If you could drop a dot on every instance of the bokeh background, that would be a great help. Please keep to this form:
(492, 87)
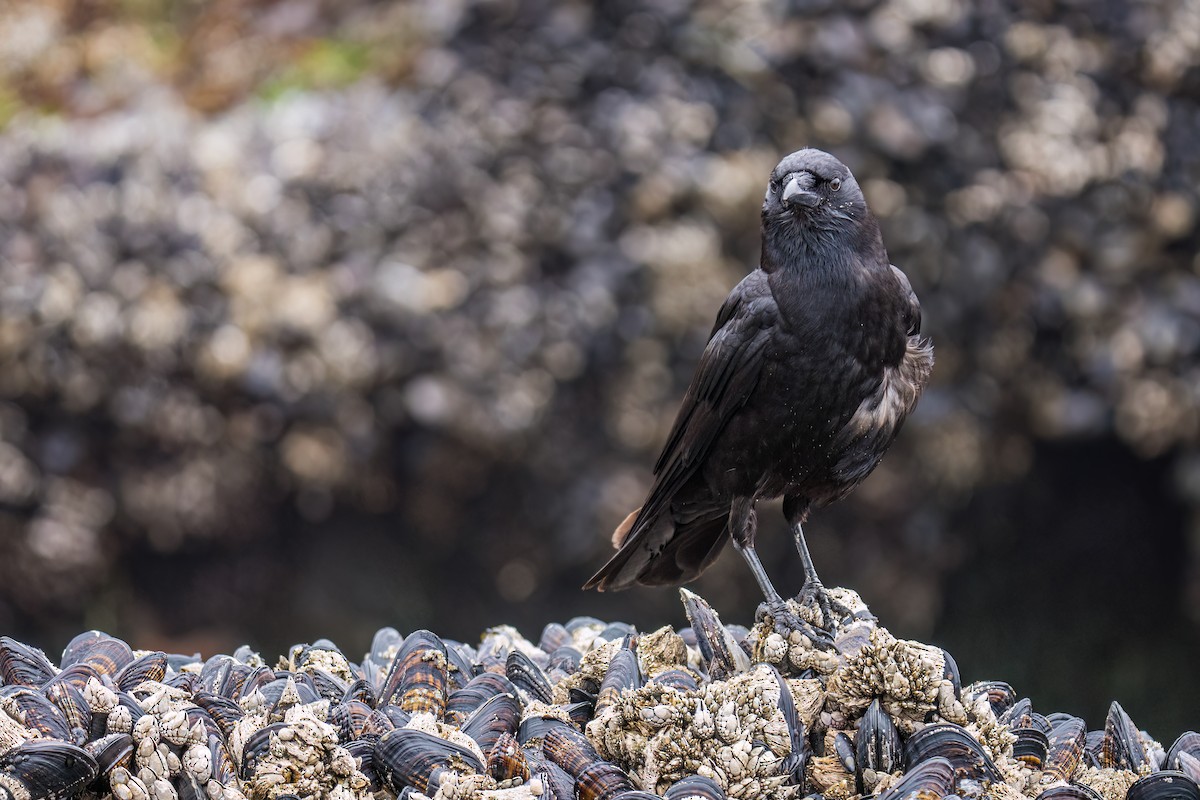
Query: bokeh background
(321, 315)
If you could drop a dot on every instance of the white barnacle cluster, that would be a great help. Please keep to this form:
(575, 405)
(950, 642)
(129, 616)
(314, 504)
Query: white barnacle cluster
(907, 677)
(304, 758)
(165, 746)
(732, 731)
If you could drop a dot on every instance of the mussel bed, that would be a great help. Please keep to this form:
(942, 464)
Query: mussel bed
(592, 710)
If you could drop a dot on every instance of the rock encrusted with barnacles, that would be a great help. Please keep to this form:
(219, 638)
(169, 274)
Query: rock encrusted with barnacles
(593, 710)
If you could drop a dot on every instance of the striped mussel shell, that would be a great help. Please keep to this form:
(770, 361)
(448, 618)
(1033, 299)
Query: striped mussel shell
(47, 769)
(595, 778)
(932, 779)
(224, 712)
(36, 711)
(1121, 747)
(554, 636)
(111, 751)
(1189, 743)
(570, 749)
(417, 680)
(580, 711)
(460, 665)
(106, 654)
(1031, 747)
(1189, 765)
(506, 760)
(795, 762)
(695, 787)
(999, 695)
(602, 781)
(563, 661)
(1165, 784)
(680, 679)
(328, 685)
(624, 673)
(463, 702)
(77, 675)
(363, 753)
(350, 718)
(1065, 749)
(499, 716)
(69, 700)
(528, 677)
(22, 665)
(256, 747)
(553, 780)
(534, 728)
(148, 667)
(360, 690)
(1070, 791)
(953, 743)
(723, 656)
(378, 723)
(878, 747)
(406, 757)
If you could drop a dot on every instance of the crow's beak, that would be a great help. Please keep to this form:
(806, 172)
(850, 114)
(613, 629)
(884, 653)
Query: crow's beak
(798, 192)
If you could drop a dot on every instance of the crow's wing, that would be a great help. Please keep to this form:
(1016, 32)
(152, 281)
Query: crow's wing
(913, 317)
(727, 374)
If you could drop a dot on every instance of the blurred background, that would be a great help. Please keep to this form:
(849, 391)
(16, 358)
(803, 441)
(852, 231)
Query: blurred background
(323, 315)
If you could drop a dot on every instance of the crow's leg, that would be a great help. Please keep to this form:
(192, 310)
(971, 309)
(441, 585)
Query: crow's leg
(796, 510)
(743, 524)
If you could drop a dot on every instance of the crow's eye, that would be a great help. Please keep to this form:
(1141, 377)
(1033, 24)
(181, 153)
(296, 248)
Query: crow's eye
(835, 184)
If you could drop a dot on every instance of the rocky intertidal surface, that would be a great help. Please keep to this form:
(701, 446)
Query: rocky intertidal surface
(593, 710)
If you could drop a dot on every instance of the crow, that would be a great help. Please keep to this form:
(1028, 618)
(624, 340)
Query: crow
(814, 362)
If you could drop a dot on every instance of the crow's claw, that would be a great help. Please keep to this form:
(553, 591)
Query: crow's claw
(785, 620)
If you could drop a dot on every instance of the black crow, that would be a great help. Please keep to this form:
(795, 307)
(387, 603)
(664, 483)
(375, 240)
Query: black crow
(813, 364)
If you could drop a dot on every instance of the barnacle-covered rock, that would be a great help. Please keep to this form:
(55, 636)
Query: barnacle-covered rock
(908, 678)
(1109, 783)
(304, 758)
(733, 731)
(628, 719)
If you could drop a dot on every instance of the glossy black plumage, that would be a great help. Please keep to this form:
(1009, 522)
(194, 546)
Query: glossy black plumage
(813, 363)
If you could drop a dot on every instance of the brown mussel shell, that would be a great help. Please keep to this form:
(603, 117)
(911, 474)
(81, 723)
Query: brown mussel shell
(498, 717)
(953, 743)
(150, 667)
(1070, 791)
(602, 781)
(406, 757)
(506, 760)
(999, 694)
(22, 665)
(931, 779)
(570, 749)
(1188, 742)
(723, 656)
(528, 677)
(695, 787)
(1166, 784)
(49, 769)
(623, 673)
(418, 678)
(1066, 748)
(1121, 747)
(877, 745)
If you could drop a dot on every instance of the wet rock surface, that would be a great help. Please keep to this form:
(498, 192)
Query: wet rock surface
(593, 710)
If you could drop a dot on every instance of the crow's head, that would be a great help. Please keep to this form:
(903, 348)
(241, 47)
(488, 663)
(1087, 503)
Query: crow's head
(814, 189)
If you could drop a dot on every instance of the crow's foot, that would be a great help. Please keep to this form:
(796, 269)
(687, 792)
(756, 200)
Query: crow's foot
(785, 621)
(832, 613)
